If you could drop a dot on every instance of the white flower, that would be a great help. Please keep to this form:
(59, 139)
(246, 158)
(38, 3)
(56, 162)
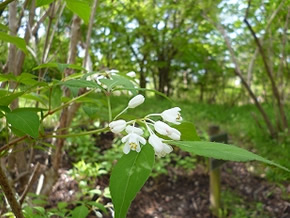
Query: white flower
(136, 101)
(172, 115)
(161, 149)
(132, 142)
(133, 129)
(131, 74)
(164, 129)
(117, 126)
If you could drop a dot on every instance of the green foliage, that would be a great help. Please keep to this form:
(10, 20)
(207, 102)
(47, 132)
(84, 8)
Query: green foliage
(234, 205)
(80, 212)
(40, 3)
(80, 7)
(24, 121)
(222, 151)
(128, 177)
(18, 42)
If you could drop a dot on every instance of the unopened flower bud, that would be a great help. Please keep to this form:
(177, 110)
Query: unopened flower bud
(136, 101)
(117, 126)
(160, 148)
(164, 129)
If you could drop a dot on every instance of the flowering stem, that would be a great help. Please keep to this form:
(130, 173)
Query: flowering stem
(120, 113)
(149, 129)
(151, 115)
(78, 134)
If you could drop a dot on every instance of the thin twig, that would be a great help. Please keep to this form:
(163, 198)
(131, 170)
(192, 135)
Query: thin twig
(5, 147)
(31, 181)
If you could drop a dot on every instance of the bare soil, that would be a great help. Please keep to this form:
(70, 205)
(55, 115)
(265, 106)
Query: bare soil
(186, 194)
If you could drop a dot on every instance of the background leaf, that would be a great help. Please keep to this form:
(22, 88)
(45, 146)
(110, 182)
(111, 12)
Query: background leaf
(222, 151)
(128, 177)
(6, 100)
(24, 121)
(18, 42)
(43, 2)
(80, 212)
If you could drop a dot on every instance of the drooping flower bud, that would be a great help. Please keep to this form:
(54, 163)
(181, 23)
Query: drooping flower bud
(164, 129)
(172, 115)
(136, 101)
(117, 126)
(160, 148)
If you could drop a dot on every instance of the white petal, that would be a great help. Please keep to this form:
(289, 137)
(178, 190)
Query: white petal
(125, 138)
(132, 129)
(167, 148)
(138, 149)
(156, 142)
(142, 140)
(126, 148)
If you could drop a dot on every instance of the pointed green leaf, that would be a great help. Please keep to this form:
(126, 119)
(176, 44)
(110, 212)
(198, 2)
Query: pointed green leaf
(80, 83)
(59, 66)
(128, 177)
(24, 121)
(81, 8)
(18, 42)
(222, 151)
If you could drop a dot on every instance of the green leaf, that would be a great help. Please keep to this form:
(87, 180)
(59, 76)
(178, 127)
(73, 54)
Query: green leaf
(119, 81)
(80, 84)
(188, 131)
(61, 67)
(43, 2)
(81, 8)
(222, 151)
(80, 212)
(6, 100)
(128, 177)
(18, 42)
(7, 77)
(25, 121)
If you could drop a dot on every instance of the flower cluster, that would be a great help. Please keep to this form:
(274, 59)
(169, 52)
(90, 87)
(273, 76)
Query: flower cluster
(134, 136)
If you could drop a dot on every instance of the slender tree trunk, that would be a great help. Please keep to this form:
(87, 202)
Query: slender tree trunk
(268, 71)
(238, 72)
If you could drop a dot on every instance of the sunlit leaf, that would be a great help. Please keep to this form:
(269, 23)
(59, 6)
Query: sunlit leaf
(43, 2)
(80, 7)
